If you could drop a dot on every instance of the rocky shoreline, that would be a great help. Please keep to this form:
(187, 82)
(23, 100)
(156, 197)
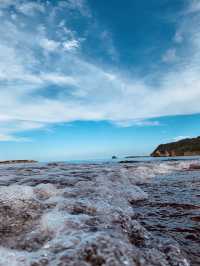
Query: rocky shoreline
(185, 147)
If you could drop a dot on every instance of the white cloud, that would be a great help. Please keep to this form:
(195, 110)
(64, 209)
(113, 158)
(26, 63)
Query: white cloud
(88, 91)
(138, 123)
(78, 5)
(58, 79)
(49, 45)
(30, 8)
(71, 45)
(54, 46)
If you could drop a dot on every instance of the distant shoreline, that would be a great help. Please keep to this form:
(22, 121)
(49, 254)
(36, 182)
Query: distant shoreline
(136, 156)
(17, 161)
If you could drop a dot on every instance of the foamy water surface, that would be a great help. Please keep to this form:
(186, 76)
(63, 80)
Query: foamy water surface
(94, 214)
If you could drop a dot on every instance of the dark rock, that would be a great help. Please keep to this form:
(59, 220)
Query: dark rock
(194, 167)
(17, 161)
(128, 161)
(185, 147)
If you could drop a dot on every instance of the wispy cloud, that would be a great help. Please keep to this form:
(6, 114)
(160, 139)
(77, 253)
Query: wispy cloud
(180, 138)
(40, 49)
(71, 45)
(11, 138)
(30, 8)
(138, 123)
(9, 128)
(77, 5)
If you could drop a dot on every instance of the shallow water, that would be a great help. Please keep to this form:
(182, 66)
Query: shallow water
(173, 210)
(92, 214)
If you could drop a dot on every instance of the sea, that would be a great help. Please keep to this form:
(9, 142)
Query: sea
(137, 211)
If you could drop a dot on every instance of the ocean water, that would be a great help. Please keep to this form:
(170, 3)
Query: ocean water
(173, 210)
(146, 212)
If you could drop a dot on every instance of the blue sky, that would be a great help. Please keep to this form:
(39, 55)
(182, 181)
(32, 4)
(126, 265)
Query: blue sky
(86, 79)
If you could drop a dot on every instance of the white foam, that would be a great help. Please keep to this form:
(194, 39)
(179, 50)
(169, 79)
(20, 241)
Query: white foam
(144, 172)
(53, 221)
(13, 258)
(16, 194)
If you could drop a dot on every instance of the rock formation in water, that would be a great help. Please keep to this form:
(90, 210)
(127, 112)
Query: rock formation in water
(17, 161)
(185, 147)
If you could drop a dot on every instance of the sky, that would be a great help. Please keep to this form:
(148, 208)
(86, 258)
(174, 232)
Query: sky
(85, 79)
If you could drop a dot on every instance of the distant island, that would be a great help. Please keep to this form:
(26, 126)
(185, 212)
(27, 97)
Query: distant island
(17, 161)
(185, 147)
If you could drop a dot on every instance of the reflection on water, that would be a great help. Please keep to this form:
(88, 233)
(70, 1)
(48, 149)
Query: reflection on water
(173, 210)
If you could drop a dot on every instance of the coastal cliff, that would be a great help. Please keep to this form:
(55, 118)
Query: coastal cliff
(185, 147)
